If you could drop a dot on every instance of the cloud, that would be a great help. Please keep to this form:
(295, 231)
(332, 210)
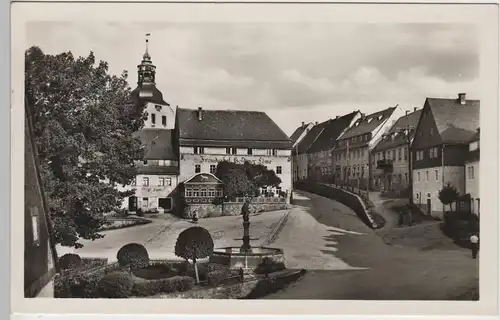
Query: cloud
(294, 71)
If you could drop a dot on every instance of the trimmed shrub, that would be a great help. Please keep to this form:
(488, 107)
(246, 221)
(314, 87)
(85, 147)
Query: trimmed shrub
(194, 243)
(144, 288)
(116, 285)
(133, 255)
(70, 261)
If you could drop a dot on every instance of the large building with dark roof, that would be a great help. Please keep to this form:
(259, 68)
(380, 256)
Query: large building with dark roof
(351, 154)
(207, 137)
(391, 155)
(320, 166)
(300, 150)
(440, 149)
(472, 173)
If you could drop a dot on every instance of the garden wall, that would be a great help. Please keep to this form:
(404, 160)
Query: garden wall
(348, 199)
(234, 208)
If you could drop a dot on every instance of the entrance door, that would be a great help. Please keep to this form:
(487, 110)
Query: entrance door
(165, 203)
(429, 206)
(132, 203)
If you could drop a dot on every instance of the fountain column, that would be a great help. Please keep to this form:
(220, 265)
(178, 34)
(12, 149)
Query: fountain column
(245, 210)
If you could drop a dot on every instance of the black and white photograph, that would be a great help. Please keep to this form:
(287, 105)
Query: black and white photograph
(243, 160)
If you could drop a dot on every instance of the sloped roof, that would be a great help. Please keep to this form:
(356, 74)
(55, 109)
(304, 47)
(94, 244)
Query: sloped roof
(310, 137)
(296, 134)
(410, 120)
(147, 93)
(158, 144)
(477, 136)
(203, 178)
(235, 128)
(368, 123)
(455, 122)
(333, 129)
(164, 170)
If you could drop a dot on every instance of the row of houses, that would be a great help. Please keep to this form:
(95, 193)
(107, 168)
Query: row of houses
(184, 146)
(417, 151)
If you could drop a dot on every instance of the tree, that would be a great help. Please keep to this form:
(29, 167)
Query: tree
(448, 195)
(83, 121)
(194, 243)
(244, 179)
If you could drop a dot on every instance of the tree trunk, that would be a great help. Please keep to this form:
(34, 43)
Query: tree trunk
(196, 271)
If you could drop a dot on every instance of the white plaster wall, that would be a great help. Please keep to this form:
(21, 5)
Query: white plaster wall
(164, 110)
(472, 184)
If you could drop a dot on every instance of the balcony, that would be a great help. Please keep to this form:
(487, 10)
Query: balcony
(385, 164)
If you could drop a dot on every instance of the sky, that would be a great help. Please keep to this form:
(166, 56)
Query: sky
(293, 71)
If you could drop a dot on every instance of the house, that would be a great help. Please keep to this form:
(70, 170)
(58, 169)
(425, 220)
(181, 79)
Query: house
(351, 154)
(391, 155)
(440, 149)
(40, 256)
(296, 138)
(472, 173)
(319, 153)
(156, 182)
(300, 150)
(207, 137)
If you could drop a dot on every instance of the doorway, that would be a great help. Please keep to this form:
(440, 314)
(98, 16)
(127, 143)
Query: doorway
(165, 203)
(429, 207)
(132, 203)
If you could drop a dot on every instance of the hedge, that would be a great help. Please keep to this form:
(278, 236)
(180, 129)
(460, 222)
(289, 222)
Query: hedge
(144, 288)
(116, 284)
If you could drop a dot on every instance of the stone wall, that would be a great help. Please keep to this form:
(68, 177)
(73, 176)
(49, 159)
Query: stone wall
(229, 209)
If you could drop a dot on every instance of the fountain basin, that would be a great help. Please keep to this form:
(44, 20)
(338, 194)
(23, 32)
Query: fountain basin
(233, 258)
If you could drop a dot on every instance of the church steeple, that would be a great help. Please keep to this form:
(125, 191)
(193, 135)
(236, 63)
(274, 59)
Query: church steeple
(146, 70)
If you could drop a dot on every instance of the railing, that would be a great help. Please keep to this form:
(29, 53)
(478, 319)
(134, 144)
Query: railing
(263, 200)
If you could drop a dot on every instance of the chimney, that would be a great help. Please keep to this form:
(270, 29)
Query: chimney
(407, 111)
(336, 117)
(461, 98)
(414, 109)
(303, 123)
(316, 123)
(200, 113)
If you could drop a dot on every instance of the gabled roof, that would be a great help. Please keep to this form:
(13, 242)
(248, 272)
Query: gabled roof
(298, 132)
(158, 144)
(332, 130)
(147, 93)
(202, 178)
(368, 123)
(231, 128)
(410, 120)
(310, 137)
(455, 122)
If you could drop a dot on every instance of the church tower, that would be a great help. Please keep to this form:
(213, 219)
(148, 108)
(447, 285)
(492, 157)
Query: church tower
(160, 114)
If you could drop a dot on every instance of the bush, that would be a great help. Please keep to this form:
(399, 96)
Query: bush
(70, 261)
(116, 285)
(139, 212)
(133, 255)
(144, 288)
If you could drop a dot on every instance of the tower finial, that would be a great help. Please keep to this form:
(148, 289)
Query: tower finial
(147, 42)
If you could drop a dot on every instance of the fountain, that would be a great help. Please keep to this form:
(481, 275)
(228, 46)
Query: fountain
(246, 257)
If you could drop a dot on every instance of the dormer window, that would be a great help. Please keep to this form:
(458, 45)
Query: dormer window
(380, 117)
(369, 120)
(157, 107)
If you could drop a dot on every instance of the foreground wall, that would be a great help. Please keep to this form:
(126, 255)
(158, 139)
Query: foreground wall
(232, 208)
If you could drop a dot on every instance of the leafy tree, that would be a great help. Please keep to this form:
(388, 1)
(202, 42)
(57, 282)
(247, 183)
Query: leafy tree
(448, 195)
(194, 243)
(83, 124)
(245, 179)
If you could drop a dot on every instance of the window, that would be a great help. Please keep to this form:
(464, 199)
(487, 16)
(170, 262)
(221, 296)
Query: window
(278, 170)
(249, 151)
(134, 182)
(168, 181)
(418, 176)
(426, 175)
(153, 118)
(433, 153)
(406, 153)
(195, 150)
(197, 168)
(472, 172)
(145, 181)
(189, 192)
(145, 202)
(201, 150)
(203, 193)
(211, 193)
(406, 177)
(399, 154)
(35, 226)
(213, 167)
(393, 154)
(228, 150)
(234, 150)
(145, 162)
(161, 182)
(436, 174)
(219, 192)
(274, 152)
(196, 193)
(164, 120)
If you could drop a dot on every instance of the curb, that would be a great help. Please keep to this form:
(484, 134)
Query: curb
(274, 234)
